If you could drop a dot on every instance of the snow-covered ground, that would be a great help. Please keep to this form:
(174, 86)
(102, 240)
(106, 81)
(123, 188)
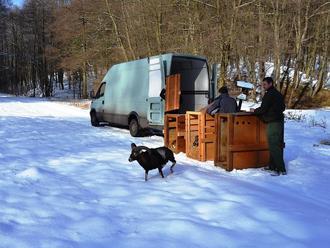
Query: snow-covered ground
(64, 183)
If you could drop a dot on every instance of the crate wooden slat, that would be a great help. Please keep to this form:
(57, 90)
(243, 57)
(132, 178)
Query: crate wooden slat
(240, 141)
(174, 132)
(200, 136)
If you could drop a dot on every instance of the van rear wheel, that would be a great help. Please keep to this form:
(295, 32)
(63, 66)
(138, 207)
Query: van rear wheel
(134, 128)
(94, 121)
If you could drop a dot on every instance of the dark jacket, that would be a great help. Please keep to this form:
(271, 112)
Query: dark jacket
(222, 104)
(272, 106)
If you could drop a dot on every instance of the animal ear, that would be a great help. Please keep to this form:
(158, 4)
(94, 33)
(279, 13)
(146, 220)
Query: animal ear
(133, 145)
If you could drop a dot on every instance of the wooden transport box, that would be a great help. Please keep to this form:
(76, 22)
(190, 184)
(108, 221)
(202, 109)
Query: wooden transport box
(241, 141)
(200, 136)
(174, 132)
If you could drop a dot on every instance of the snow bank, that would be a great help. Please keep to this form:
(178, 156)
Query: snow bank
(67, 184)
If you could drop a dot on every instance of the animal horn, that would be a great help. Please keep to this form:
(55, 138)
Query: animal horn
(140, 148)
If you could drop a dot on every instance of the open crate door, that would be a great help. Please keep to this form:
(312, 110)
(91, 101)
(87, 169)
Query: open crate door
(172, 99)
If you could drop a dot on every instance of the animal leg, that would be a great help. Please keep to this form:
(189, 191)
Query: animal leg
(146, 176)
(161, 172)
(171, 168)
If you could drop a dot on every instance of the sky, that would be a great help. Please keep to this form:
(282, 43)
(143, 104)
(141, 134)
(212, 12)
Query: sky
(18, 2)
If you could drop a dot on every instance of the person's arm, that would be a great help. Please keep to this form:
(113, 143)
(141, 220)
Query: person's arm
(265, 105)
(212, 106)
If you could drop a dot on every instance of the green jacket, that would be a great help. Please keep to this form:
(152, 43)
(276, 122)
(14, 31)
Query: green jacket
(272, 106)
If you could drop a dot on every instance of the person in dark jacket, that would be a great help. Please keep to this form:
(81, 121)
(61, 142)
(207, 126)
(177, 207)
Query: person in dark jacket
(271, 112)
(223, 103)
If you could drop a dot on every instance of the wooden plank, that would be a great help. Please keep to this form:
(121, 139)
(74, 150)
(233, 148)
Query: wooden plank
(221, 132)
(181, 133)
(210, 135)
(230, 132)
(246, 159)
(194, 122)
(173, 91)
(258, 141)
(171, 124)
(209, 129)
(193, 128)
(172, 116)
(166, 140)
(217, 137)
(188, 139)
(207, 140)
(239, 148)
(201, 131)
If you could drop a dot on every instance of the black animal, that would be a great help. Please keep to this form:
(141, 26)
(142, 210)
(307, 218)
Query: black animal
(152, 158)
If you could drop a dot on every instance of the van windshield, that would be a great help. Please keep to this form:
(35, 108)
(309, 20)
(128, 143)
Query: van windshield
(100, 91)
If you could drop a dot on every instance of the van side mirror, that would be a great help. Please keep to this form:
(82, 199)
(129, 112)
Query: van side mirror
(92, 94)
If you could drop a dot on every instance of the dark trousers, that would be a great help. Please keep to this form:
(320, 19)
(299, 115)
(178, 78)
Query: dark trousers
(275, 131)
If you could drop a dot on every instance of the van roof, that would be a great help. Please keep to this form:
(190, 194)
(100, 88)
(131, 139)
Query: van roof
(170, 55)
(186, 55)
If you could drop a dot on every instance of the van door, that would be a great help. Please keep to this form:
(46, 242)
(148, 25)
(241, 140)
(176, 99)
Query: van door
(173, 92)
(98, 102)
(155, 102)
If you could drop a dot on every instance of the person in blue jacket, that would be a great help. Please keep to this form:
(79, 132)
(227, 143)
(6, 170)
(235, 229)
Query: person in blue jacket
(223, 103)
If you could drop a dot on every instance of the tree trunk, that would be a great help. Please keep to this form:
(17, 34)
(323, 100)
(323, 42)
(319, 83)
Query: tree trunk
(118, 36)
(60, 74)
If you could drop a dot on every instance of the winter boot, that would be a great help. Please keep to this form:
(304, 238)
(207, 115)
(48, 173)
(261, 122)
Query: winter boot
(275, 173)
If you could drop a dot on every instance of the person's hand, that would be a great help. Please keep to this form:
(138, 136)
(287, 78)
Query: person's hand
(252, 110)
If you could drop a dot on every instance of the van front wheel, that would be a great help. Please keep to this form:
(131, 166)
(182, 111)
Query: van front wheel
(94, 121)
(134, 128)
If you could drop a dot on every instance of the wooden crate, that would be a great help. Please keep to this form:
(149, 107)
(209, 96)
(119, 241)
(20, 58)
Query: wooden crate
(200, 136)
(174, 132)
(241, 141)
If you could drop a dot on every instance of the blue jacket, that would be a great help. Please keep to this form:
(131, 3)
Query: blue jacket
(222, 104)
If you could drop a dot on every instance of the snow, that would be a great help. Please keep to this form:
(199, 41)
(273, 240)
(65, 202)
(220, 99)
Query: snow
(64, 183)
(269, 70)
(31, 173)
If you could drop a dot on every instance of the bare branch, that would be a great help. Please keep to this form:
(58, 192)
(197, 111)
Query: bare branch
(206, 4)
(244, 4)
(319, 13)
(316, 11)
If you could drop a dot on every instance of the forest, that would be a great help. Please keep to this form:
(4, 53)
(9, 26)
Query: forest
(44, 42)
